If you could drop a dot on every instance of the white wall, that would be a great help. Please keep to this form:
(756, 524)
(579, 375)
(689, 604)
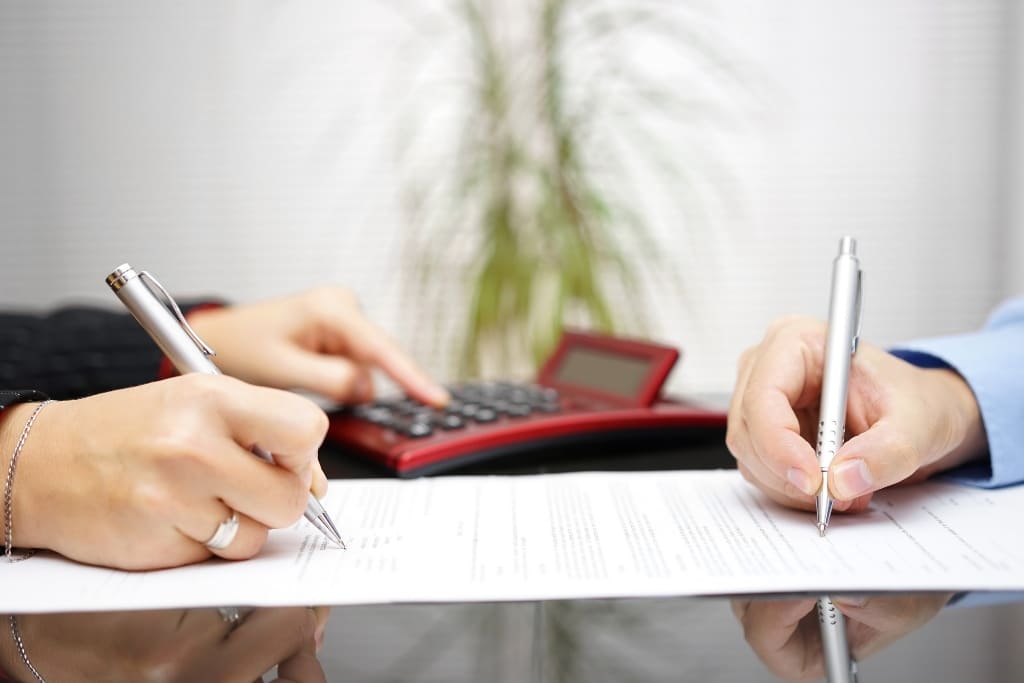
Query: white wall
(250, 148)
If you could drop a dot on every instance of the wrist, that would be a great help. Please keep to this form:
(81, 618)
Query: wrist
(965, 437)
(9, 661)
(26, 522)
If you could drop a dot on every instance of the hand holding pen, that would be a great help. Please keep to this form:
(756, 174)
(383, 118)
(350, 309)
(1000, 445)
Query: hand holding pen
(784, 634)
(142, 477)
(893, 413)
(317, 340)
(165, 323)
(802, 384)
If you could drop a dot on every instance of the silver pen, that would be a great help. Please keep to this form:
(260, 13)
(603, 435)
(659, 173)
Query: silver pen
(179, 342)
(840, 345)
(840, 667)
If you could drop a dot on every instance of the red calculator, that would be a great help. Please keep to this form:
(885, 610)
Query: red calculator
(592, 386)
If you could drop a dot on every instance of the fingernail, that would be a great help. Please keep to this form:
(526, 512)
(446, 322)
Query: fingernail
(440, 396)
(852, 478)
(800, 479)
(851, 600)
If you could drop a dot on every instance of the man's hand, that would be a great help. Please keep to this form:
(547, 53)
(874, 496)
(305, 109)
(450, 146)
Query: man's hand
(902, 422)
(785, 634)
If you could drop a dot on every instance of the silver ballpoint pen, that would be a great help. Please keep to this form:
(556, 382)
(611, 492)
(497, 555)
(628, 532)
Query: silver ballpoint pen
(179, 342)
(840, 345)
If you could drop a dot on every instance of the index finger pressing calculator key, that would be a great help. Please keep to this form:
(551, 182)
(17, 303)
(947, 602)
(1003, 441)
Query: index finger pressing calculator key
(592, 386)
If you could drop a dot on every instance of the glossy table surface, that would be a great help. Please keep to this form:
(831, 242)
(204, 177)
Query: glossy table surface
(651, 639)
(595, 640)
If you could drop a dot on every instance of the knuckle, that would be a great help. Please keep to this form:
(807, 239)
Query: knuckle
(752, 399)
(152, 498)
(746, 358)
(327, 298)
(289, 505)
(201, 390)
(307, 418)
(180, 447)
(733, 440)
(318, 423)
(793, 321)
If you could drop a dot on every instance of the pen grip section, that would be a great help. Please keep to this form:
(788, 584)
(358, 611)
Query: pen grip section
(830, 438)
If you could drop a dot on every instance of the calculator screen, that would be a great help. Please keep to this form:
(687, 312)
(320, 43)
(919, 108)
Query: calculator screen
(605, 371)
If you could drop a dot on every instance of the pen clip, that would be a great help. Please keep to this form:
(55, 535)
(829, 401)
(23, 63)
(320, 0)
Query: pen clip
(169, 301)
(860, 312)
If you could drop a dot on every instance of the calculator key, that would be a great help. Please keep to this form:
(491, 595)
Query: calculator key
(546, 407)
(425, 414)
(485, 415)
(451, 421)
(518, 410)
(415, 430)
(375, 414)
(518, 395)
(499, 406)
(545, 394)
(408, 406)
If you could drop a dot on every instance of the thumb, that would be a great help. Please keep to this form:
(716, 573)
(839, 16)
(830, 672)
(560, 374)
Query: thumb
(882, 456)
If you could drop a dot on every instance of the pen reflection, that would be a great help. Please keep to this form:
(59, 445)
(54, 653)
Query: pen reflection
(785, 636)
(203, 644)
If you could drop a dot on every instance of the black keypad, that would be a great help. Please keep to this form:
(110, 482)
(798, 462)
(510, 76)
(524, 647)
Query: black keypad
(472, 402)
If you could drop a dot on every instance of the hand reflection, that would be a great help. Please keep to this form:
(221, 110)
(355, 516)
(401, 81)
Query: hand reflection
(170, 645)
(785, 636)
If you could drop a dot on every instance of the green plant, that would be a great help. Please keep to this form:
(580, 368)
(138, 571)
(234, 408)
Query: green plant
(533, 224)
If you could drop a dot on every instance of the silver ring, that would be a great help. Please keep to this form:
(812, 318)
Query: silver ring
(230, 615)
(224, 534)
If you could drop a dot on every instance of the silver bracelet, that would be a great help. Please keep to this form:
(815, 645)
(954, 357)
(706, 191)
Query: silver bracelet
(9, 495)
(16, 635)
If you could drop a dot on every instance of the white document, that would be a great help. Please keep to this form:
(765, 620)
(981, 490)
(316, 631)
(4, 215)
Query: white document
(582, 535)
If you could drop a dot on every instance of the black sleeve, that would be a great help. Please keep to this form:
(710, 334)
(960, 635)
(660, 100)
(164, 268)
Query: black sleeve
(11, 397)
(75, 351)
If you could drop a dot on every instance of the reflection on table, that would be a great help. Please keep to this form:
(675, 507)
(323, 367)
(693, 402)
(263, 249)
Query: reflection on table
(667, 639)
(225, 644)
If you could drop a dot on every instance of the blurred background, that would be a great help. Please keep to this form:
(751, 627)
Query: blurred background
(481, 172)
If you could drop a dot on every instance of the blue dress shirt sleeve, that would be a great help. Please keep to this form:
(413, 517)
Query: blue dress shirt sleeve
(991, 360)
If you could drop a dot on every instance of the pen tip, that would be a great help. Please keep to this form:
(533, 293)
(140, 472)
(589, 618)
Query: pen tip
(336, 539)
(821, 530)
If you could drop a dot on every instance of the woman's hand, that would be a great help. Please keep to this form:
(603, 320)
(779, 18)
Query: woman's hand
(191, 645)
(140, 478)
(786, 636)
(318, 341)
(903, 422)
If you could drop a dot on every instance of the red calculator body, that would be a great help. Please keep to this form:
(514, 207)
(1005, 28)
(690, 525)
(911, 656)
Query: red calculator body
(591, 387)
